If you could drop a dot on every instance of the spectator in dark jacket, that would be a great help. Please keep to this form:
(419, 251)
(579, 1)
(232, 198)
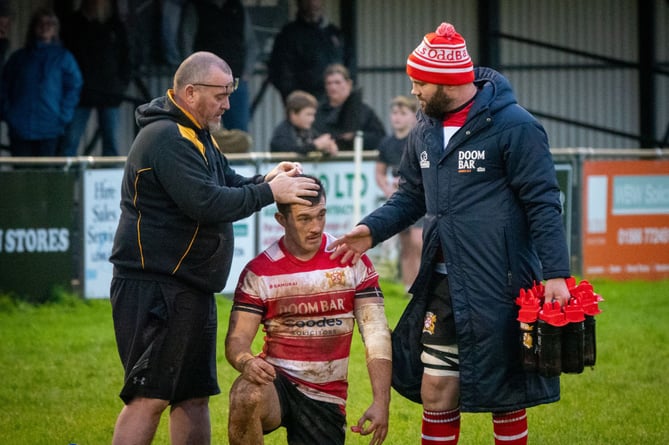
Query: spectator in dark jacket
(99, 41)
(296, 133)
(5, 28)
(40, 89)
(303, 49)
(343, 112)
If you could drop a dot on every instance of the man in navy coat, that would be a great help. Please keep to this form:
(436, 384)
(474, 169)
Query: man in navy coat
(478, 166)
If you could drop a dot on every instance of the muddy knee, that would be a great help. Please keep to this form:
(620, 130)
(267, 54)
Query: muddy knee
(245, 395)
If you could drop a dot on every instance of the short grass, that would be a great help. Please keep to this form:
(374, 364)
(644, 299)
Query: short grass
(60, 375)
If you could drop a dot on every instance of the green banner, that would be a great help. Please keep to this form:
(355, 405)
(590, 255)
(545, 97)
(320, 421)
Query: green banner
(36, 232)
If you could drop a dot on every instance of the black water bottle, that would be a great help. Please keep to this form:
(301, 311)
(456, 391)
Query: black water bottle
(573, 337)
(549, 349)
(589, 341)
(572, 347)
(549, 339)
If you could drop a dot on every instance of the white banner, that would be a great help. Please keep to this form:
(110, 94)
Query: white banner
(245, 238)
(101, 210)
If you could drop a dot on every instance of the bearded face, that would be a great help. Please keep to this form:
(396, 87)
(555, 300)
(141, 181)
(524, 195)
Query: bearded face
(439, 104)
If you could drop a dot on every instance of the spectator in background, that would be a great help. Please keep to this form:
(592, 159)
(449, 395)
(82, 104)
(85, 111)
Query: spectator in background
(5, 28)
(171, 12)
(402, 119)
(303, 49)
(295, 133)
(40, 89)
(224, 28)
(343, 112)
(99, 41)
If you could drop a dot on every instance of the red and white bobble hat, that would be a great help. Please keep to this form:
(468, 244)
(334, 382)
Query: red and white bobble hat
(441, 58)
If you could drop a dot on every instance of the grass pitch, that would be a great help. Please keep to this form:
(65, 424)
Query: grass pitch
(60, 376)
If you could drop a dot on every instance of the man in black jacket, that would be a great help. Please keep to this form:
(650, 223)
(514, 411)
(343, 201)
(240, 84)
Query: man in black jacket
(173, 249)
(98, 39)
(344, 113)
(303, 49)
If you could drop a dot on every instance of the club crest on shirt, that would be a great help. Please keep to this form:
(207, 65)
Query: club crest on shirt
(424, 163)
(335, 277)
(429, 322)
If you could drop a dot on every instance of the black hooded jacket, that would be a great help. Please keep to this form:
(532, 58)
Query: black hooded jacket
(179, 199)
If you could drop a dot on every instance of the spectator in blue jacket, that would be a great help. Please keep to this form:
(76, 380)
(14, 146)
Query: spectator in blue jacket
(41, 83)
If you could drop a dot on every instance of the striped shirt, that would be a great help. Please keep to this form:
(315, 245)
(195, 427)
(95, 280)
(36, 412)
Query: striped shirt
(307, 313)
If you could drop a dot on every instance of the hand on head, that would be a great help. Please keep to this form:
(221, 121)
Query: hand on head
(290, 190)
(289, 168)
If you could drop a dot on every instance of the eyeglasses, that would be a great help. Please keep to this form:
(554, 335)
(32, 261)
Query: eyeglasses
(228, 89)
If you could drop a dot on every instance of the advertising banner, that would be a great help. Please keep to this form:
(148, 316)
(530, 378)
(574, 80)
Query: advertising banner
(37, 247)
(101, 211)
(245, 238)
(626, 219)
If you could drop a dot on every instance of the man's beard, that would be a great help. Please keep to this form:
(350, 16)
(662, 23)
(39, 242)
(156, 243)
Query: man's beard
(214, 125)
(439, 105)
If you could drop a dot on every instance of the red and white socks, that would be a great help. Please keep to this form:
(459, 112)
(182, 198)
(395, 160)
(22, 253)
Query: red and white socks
(510, 428)
(441, 427)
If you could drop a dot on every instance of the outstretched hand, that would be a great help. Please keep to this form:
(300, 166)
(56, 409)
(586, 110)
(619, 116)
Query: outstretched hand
(351, 246)
(374, 420)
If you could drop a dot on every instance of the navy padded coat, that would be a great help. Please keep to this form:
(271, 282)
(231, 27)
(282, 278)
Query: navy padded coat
(491, 201)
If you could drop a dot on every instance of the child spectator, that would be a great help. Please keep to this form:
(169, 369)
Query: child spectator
(295, 133)
(402, 119)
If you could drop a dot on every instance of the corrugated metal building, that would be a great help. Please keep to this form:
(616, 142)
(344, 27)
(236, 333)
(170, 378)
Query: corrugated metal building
(595, 72)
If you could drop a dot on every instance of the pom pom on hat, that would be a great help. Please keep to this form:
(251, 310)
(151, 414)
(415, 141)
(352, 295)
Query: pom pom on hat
(441, 58)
